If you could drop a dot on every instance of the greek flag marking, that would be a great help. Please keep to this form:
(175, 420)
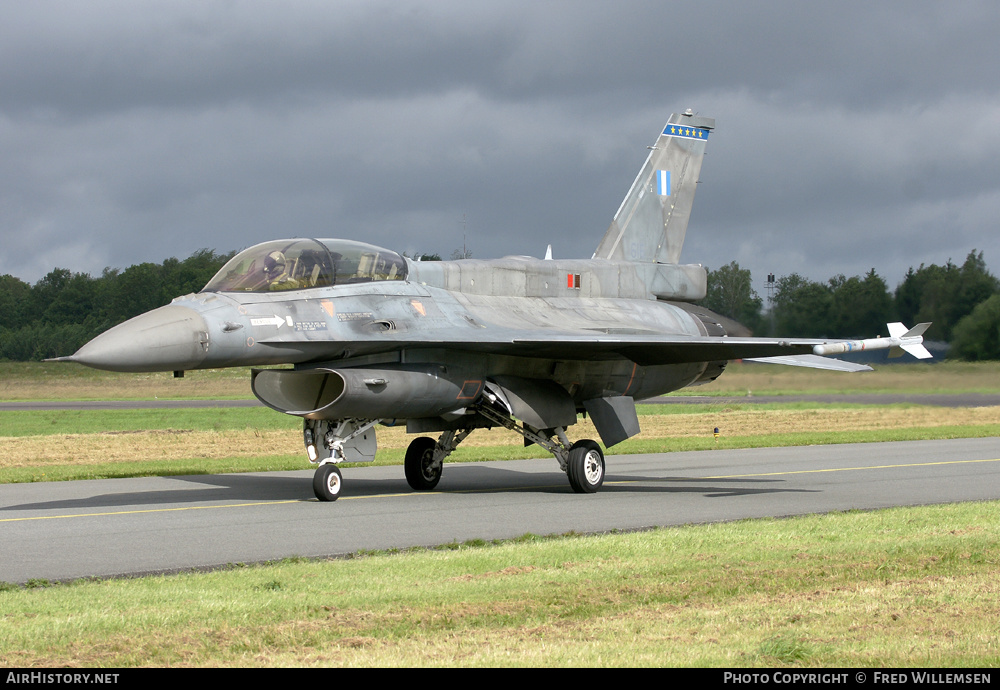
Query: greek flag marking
(663, 182)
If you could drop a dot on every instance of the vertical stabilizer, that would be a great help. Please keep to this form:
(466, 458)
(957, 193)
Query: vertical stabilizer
(651, 222)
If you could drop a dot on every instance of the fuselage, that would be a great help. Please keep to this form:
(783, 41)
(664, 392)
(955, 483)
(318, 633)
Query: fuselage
(454, 346)
(463, 314)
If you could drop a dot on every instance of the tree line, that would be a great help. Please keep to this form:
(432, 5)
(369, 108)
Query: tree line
(64, 310)
(963, 302)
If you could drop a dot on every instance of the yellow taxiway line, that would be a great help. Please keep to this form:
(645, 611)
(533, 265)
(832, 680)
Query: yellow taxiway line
(491, 489)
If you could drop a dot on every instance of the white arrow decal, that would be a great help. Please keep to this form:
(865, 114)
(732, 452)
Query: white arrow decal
(275, 321)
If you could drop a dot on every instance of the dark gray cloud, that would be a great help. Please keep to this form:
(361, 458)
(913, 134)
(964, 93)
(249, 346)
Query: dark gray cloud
(850, 135)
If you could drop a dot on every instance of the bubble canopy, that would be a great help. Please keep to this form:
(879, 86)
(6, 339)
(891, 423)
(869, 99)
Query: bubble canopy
(300, 264)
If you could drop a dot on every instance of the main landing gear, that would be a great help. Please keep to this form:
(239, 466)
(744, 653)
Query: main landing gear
(583, 461)
(423, 471)
(425, 458)
(585, 467)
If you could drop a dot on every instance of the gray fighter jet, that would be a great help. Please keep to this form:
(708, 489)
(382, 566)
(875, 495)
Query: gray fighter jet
(453, 346)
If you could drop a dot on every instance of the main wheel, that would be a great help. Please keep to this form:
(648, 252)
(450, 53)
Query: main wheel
(585, 467)
(327, 482)
(421, 474)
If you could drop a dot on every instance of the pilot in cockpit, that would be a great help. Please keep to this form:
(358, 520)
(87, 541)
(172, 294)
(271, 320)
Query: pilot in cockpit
(276, 272)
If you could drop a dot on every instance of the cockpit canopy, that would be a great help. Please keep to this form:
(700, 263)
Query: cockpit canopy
(306, 263)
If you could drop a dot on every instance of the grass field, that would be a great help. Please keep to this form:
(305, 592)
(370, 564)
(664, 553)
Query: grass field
(86, 444)
(892, 588)
(66, 381)
(83, 444)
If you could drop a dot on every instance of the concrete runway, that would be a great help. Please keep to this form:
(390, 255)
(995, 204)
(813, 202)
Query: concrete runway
(65, 530)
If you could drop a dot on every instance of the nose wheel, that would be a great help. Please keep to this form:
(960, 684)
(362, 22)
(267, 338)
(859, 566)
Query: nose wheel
(327, 482)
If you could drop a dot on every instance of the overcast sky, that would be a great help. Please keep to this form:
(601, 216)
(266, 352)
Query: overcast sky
(849, 135)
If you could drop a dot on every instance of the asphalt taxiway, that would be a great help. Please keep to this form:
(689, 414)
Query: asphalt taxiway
(119, 527)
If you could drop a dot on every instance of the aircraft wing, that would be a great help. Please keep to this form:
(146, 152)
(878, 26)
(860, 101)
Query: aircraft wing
(643, 349)
(647, 350)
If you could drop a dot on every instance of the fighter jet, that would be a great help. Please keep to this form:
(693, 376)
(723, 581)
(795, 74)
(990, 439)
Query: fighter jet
(448, 347)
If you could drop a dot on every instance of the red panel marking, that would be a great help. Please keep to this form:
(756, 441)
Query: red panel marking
(470, 389)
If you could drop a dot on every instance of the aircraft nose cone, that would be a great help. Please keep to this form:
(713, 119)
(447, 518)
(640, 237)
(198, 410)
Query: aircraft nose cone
(166, 339)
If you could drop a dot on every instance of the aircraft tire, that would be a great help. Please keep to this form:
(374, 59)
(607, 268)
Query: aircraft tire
(585, 467)
(417, 464)
(327, 482)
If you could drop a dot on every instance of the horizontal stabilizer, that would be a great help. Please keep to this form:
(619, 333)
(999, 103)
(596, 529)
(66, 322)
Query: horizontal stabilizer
(812, 362)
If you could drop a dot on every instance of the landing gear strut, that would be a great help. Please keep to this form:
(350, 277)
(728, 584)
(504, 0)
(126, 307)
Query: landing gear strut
(583, 462)
(329, 442)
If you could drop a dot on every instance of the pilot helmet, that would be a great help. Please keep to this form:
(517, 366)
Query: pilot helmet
(274, 264)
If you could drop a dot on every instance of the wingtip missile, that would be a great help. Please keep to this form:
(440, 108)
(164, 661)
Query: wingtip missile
(901, 339)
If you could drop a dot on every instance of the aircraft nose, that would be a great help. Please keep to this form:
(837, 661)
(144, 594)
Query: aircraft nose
(170, 338)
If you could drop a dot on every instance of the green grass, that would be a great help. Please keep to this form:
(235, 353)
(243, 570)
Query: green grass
(893, 588)
(41, 422)
(54, 372)
(60, 381)
(241, 430)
